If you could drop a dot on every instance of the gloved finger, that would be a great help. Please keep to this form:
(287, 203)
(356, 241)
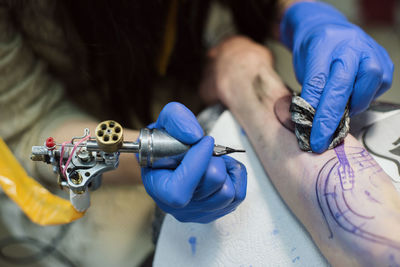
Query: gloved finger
(176, 188)
(197, 216)
(219, 200)
(213, 179)
(333, 100)
(237, 172)
(315, 77)
(238, 175)
(368, 81)
(206, 217)
(180, 123)
(152, 181)
(388, 69)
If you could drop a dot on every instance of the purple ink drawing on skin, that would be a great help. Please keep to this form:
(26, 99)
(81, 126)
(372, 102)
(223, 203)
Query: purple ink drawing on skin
(339, 199)
(192, 241)
(346, 173)
(393, 262)
(370, 197)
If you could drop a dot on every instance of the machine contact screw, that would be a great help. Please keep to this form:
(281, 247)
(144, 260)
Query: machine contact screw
(75, 177)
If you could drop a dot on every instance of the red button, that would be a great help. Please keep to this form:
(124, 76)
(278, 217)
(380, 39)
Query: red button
(50, 143)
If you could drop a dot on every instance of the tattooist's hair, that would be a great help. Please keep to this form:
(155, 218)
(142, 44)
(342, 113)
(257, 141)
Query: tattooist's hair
(122, 41)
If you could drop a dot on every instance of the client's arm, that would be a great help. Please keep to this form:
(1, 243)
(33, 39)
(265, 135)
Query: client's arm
(343, 197)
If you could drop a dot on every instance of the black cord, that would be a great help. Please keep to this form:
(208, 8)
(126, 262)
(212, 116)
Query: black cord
(46, 249)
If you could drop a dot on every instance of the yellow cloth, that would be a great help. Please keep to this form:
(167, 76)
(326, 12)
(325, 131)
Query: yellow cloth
(41, 206)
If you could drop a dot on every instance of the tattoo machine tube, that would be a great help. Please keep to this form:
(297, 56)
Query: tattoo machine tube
(39, 205)
(157, 149)
(80, 200)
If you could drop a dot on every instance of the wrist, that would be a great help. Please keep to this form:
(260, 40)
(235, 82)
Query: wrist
(305, 15)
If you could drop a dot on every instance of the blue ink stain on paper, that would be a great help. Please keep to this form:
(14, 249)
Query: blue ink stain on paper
(275, 232)
(295, 259)
(243, 132)
(192, 241)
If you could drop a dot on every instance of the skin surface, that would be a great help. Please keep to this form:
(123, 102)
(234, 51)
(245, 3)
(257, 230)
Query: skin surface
(343, 198)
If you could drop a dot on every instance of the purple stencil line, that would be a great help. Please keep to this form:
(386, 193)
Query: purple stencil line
(341, 155)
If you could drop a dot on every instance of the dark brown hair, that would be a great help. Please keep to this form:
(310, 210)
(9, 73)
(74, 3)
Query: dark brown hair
(122, 40)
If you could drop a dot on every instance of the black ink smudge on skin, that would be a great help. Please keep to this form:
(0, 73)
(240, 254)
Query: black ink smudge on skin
(281, 106)
(341, 212)
(282, 114)
(258, 87)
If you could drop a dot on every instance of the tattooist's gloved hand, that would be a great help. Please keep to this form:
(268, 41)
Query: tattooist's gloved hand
(335, 61)
(203, 187)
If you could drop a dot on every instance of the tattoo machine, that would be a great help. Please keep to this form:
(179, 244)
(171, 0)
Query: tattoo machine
(81, 162)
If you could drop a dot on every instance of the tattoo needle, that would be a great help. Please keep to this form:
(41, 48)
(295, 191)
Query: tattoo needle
(224, 150)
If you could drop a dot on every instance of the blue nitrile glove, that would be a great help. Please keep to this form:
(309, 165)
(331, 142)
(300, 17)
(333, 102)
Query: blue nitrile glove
(333, 60)
(203, 187)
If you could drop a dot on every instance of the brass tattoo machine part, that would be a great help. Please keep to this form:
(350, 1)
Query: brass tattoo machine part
(109, 136)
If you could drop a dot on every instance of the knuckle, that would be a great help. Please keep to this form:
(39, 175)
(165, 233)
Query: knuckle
(168, 107)
(216, 172)
(357, 108)
(228, 192)
(317, 82)
(320, 33)
(217, 176)
(391, 66)
(374, 69)
(256, 54)
(388, 77)
(325, 32)
(177, 200)
(242, 170)
(353, 32)
(332, 31)
(241, 196)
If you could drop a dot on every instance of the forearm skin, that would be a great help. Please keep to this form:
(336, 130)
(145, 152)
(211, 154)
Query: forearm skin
(343, 197)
